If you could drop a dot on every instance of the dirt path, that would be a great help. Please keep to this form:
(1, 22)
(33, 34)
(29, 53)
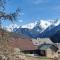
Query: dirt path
(36, 58)
(25, 57)
(32, 58)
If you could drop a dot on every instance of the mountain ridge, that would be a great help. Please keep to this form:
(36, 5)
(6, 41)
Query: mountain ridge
(42, 28)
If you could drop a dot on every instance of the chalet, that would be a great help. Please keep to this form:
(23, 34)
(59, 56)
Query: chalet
(48, 50)
(44, 47)
(23, 45)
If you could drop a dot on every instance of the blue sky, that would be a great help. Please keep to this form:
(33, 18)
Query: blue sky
(32, 10)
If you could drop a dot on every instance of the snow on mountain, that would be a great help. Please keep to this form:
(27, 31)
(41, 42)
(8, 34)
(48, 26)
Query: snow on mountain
(30, 25)
(42, 28)
(11, 27)
(44, 24)
(57, 22)
(37, 29)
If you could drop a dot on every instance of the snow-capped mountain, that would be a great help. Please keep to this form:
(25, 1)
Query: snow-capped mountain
(43, 24)
(42, 28)
(30, 25)
(11, 27)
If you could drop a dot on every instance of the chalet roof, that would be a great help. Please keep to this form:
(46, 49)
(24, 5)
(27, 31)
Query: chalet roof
(22, 43)
(47, 46)
(40, 41)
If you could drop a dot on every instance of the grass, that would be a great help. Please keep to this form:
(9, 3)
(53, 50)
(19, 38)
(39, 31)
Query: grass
(43, 58)
(37, 58)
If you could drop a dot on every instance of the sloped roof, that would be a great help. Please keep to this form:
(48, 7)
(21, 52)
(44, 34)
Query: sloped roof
(46, 46)
(40, 41)
(18, 40)
(22, 43)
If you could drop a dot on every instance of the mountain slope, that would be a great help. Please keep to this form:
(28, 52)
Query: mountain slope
(56, 37)
(42, 28)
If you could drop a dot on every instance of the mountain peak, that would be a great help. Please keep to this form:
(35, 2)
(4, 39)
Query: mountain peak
(43, 24)
(30, 25)
(42, 28)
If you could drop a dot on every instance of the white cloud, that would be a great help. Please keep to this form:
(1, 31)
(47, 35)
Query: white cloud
(20, 20)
